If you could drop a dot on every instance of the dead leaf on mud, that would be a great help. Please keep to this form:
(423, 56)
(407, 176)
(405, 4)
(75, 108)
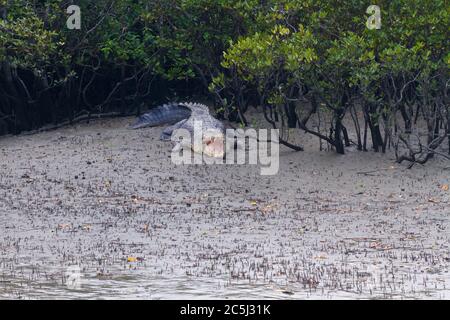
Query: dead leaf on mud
(135, 259)
(379, 246)
(189, 201)
(375, 245)
(64, 226)
(269, 208)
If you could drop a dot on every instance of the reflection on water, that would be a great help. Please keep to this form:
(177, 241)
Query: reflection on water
(30, 283)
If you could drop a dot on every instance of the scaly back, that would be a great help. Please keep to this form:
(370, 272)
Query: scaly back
(166, 114)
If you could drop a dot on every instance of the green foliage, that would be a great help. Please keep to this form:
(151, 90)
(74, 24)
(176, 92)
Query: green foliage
(26, 42)
(278, 50)
(331, 49)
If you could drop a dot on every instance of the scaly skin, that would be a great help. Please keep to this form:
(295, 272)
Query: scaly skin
(184, 116)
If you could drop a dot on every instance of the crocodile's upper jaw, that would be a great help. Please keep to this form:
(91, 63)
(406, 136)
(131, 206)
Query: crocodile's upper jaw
(212, 146)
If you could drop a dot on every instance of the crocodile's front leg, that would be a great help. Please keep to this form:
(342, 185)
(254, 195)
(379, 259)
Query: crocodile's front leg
(166, 135)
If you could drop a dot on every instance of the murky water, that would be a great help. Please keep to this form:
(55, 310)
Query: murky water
(140, 285)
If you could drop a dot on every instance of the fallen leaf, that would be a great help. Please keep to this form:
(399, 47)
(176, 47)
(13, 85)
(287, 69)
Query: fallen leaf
(445, 187)
(63, 226)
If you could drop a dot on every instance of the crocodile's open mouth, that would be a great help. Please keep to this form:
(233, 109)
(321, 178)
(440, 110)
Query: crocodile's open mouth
(213, 146)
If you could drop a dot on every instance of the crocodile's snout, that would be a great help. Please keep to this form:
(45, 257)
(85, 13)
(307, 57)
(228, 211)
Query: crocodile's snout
(214, 147)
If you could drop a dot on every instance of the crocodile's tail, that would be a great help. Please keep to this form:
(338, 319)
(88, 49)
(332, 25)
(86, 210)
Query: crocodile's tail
(166, 114)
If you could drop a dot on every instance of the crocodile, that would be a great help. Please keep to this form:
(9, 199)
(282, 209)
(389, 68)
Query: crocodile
(185, 116)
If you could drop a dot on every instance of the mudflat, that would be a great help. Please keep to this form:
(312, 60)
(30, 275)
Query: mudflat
(109, 201)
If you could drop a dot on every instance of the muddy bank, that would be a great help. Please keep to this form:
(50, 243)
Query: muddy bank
(110, 202)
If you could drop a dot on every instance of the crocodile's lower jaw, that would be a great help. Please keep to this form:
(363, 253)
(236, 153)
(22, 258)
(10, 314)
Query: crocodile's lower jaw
(215, 149)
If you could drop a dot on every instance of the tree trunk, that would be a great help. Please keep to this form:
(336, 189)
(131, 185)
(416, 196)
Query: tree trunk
(21, 122)
(123, 105)
(406, 118)
(338, 130)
